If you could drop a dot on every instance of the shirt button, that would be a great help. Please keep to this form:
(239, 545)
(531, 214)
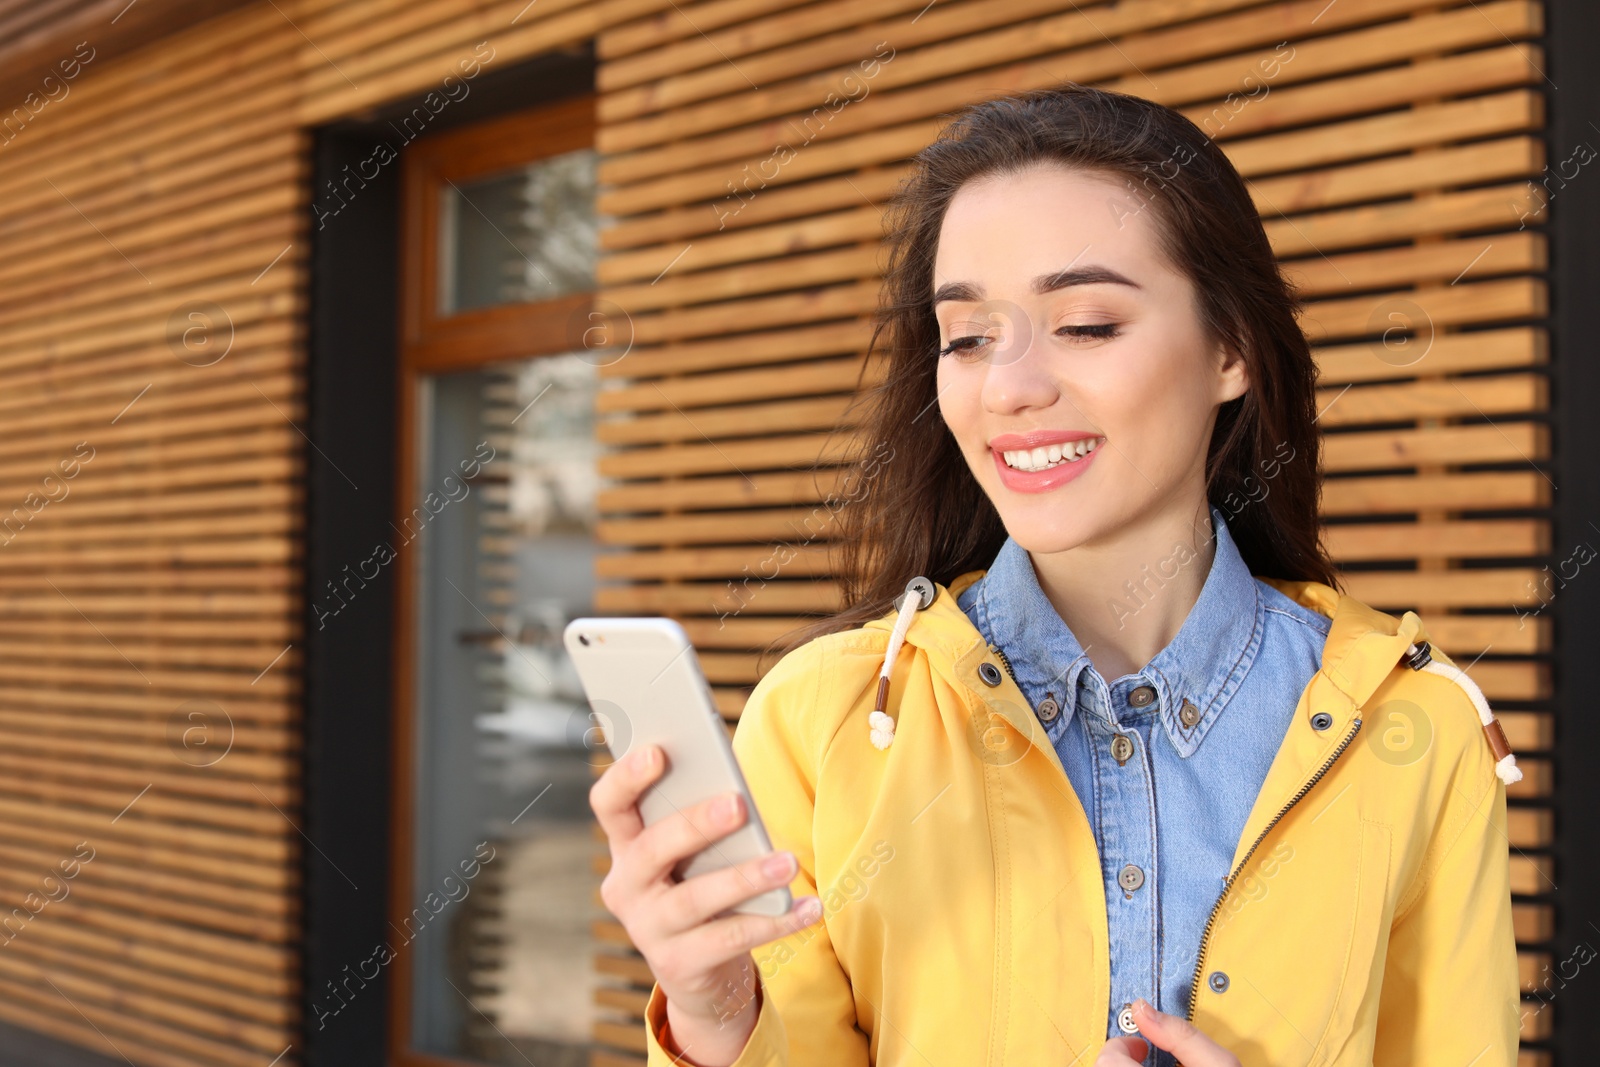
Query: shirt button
(1130, 878)
(1189, 714)
(1121, 749)
(1219, 981)
(1048, 708)
(1142, 697)
(1125, 1021)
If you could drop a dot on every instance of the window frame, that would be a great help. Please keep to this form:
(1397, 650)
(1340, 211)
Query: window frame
(430, 342)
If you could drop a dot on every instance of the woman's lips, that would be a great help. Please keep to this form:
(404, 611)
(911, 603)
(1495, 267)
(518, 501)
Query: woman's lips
(1034, 438)
(1064, 456)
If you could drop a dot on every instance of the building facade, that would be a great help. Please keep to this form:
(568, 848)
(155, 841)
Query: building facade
(349, 349)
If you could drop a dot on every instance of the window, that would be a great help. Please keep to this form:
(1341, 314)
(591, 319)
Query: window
(494, 904)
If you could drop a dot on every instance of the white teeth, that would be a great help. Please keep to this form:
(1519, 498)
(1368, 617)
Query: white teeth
(1050, 455)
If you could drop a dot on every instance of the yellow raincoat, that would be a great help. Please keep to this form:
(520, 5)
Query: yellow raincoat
(1367, 919)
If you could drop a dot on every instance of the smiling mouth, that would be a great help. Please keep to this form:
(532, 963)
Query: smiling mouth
(1046, 456)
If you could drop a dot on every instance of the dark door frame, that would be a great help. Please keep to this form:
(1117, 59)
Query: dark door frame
(1572, 95)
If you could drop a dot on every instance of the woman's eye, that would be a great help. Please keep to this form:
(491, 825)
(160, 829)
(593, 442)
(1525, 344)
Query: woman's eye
(1097, 331)
(965, 348)
(971, 348)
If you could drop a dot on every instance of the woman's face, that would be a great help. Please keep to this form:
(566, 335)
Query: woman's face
(1082, 389)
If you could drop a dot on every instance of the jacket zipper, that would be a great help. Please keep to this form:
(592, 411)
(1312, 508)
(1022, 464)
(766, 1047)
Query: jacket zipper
(1200, 961)
(1205, 936)
(1005, 661)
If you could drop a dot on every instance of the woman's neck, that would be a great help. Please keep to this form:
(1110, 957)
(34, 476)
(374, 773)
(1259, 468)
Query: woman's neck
(1125, 599)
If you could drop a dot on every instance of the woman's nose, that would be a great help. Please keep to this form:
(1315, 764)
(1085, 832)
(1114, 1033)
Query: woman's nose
(1016, 377)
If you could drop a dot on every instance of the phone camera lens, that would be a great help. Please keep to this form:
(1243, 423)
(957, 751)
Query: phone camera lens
(583, 639)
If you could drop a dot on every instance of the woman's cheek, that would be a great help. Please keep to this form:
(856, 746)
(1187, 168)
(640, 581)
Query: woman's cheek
(1154, 456)
(1165, 416)
(959, 400)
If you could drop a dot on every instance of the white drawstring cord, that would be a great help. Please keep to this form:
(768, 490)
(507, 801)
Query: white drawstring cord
(1506, 763)
(879, 723)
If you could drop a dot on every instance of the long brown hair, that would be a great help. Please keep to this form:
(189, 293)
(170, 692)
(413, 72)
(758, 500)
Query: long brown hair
(919, 510)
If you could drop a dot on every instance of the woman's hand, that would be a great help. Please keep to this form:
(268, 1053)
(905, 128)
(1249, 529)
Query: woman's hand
(702, 964)
(1173, 1033)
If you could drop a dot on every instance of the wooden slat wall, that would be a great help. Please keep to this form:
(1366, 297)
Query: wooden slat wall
(170, 572)
(164, 580)
(1398, 128)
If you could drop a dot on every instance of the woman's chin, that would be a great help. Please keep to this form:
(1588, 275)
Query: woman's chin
(1045, 530)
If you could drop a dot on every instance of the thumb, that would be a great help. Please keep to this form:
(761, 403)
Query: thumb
(1179, 1036)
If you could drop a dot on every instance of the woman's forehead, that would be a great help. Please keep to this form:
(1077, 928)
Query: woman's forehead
(1012, 230)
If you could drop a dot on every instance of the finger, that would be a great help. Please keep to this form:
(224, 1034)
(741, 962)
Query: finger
(700, 898)
(715, 942)
(1180, 1037)
(614, 797)
(686, 832)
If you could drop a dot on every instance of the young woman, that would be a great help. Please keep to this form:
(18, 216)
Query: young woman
(1097, 765)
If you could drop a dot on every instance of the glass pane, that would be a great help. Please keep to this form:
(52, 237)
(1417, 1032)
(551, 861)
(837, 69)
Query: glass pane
(503, 884)
(527, 234)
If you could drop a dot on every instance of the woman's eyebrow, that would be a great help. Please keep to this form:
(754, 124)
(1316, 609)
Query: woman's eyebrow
(970, 292)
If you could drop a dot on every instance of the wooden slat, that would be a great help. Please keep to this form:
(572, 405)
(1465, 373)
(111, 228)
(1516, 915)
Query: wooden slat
(788, 525)
(755, 490)
(1465, 636)
(703, 390)
(1501, 442)
(746, 350)
(783, 597)
(796, 561)
(802, 450)
(1502, 394)
(1400, 495)
(1466, 165)
(1451, 353)
(1397, 541)
(1431, 310)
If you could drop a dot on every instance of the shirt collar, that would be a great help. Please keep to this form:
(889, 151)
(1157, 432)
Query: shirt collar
(1204, 664)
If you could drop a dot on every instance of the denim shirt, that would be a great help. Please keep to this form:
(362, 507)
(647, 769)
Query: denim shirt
(1168, 817)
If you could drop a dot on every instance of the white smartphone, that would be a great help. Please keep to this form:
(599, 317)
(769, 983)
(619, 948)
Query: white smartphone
(645, 686)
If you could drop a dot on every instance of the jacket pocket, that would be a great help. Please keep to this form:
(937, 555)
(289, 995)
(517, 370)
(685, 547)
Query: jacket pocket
(1366, 950)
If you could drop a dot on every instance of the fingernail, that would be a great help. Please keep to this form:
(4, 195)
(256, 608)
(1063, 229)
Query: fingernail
(727, 807)
(777, 865)
(641, 758)
(809, 910)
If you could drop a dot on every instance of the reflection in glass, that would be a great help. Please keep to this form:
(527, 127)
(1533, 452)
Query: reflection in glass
(522, 235)
(504, 968)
